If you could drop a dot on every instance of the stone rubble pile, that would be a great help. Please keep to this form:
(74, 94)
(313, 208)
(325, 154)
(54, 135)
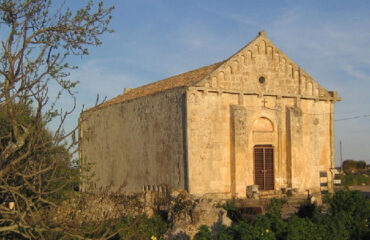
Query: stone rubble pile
(187, 213)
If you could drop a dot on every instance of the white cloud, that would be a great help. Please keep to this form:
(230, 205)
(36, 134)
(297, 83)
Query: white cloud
(334, 50)
(352, 71)
(96, 78)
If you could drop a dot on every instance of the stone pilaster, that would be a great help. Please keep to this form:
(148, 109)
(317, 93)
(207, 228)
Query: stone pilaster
(294, 143)
(238, 156)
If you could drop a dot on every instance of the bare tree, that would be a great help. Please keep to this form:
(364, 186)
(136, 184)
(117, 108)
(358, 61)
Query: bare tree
(33, 161)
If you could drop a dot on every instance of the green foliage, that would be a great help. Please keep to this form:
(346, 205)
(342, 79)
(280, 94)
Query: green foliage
(347, 218)
(23, 115)
(274, 207)
(230, 205)
(257, 231)
(35, 172)
(50, 154)
(349, 166)
(354, 179)
(142, 227)
(130, 228)
(351, 202)
(361, 165)
(352, 166)
(267, 227)
(356, 173)
(352, 208)
(203, 234)
(272, 218)
(336, 226)
(232, 212)
(223, 233)
(308, 210)
(304, 229)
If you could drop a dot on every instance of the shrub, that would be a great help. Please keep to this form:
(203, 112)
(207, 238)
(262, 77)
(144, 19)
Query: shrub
(307, 210)
(305, 229)
(245, 231)
(336, 227)
(223, 233)
(141, 227)
(352, 202)
(232, 212)
(352, 210)
(349, 180)
(361, 165)
(273, 218)
(349, 166)
(203, 234)
(347, 218)
(354, 179)
(274, 208)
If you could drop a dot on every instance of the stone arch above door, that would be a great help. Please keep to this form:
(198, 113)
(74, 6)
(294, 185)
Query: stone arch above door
(263, 124)
(263, 130)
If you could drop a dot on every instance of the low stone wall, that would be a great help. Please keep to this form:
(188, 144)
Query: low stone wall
(100, 207)
(187, 213)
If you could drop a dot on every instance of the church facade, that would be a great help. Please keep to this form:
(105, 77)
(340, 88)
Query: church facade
(256, 118)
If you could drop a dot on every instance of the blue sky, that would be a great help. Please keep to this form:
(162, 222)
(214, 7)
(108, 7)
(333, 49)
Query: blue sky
(154, 39)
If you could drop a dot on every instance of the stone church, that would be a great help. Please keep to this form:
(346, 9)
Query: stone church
(255, 118)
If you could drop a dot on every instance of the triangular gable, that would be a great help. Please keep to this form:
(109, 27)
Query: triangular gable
(261, 58)
(241, 72)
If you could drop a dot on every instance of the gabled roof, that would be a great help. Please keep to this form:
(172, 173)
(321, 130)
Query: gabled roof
(181, 80)
(199, 76)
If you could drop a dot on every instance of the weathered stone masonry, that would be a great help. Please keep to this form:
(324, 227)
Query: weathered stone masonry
(255, 117)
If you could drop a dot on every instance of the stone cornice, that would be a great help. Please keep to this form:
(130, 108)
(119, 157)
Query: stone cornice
(334, 97)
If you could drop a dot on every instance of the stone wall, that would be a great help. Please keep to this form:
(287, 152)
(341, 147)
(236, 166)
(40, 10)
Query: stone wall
(202, 137)
(138, 144)
(258, 97)
(223, 129)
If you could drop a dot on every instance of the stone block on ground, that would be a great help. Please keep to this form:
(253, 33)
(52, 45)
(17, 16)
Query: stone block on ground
(188, 213)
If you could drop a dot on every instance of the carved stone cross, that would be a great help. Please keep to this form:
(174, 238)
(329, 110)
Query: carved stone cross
(264, 101)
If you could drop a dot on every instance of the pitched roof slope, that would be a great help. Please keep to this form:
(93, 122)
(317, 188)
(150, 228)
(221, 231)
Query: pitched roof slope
(181, 80)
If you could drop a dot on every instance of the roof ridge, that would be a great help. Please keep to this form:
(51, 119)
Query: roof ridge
(260, 34)
(179, 80)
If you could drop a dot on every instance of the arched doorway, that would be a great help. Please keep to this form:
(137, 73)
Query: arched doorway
(263, 152)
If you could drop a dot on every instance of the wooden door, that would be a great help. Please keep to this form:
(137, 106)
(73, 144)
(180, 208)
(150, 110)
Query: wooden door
(264, 167)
